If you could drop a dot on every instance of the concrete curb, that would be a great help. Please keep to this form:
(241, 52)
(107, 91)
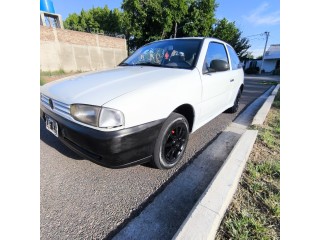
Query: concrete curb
(261, 115)
(205, 218)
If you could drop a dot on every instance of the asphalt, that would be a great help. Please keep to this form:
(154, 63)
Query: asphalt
(263, 77)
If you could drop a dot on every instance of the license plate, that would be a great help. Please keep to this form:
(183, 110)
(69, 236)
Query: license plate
(52, 126)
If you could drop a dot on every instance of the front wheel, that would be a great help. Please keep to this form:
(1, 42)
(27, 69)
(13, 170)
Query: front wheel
(171, 142)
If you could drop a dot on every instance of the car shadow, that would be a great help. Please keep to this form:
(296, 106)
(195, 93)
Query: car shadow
(49, 139)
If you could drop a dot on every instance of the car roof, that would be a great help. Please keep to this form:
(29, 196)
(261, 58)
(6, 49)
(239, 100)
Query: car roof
(209, 38)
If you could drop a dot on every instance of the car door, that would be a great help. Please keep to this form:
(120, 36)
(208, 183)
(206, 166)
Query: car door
(236, 73)
(215, 83)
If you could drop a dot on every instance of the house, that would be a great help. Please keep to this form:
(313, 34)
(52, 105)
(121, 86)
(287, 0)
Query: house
(271, 60)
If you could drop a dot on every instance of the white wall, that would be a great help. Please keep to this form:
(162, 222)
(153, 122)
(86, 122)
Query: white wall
(79, 51)
(269, 65)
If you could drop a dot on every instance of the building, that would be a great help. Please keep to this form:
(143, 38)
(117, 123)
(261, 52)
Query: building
(48, 17)
(271, 60)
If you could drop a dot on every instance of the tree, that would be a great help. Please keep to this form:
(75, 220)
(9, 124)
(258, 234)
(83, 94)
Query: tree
(73, 22)
(248, 55)
(200, 19)
(228, 32)
(149, 20)
(115, 22)
(96, 20)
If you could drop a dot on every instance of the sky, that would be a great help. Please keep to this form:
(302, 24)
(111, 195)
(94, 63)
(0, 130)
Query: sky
(252, 17)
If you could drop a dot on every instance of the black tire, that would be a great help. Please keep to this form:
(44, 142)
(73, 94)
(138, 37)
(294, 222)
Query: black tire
(235, 106)
(171, 142)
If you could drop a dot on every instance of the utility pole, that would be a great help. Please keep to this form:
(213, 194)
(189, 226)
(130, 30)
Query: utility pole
(264, 51)
(175, 30)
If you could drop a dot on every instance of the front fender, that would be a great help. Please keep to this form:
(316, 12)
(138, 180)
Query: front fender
(157, 100)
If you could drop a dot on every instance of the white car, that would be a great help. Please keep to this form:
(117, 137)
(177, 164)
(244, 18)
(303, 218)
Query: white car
(145, 108)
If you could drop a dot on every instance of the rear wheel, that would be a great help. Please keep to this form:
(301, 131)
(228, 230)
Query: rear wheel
(235, 106)
(171, 142)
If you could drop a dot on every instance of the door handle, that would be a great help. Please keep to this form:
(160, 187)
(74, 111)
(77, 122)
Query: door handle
(231, 80)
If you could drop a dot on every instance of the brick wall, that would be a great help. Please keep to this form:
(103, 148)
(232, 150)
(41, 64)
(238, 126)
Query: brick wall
(74, 51)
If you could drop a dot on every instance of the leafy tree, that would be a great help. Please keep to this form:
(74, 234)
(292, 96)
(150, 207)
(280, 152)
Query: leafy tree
(100, 17)
(96, 20)
(73, 22)
(199, 19)
(175, 11)
(115, 22)
(149, 20)
(134, 17)
(248, 55)
(227, 31)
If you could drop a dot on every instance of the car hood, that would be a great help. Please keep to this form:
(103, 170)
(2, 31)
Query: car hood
(97, 88)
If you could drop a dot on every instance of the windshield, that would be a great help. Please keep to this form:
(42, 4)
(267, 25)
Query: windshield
(177, 53)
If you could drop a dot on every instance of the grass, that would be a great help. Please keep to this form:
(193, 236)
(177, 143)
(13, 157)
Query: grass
(268, 82)
(48, 76)
(52, 73)
(42, 81)
(255, 210)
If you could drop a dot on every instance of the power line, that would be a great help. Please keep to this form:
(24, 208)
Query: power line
(260, 34)
(258, 38)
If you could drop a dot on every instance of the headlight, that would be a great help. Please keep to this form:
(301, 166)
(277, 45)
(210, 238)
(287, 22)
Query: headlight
(111, 118)
(97, 116)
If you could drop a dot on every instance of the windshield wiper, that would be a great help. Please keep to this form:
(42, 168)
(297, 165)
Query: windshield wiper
(125, 64)
(148, 64)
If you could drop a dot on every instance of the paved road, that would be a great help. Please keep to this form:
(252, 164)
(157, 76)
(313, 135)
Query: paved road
(82, 200)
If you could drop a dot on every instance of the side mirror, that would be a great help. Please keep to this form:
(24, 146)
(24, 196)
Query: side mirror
(218, 66)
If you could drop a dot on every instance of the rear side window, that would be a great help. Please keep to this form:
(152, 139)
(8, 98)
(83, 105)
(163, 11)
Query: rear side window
(216, 51)
(235, 62)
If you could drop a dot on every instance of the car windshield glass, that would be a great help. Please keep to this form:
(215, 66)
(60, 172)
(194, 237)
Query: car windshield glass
(177, 53)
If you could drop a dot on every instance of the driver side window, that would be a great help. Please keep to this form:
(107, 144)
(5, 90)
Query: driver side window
(216, 53)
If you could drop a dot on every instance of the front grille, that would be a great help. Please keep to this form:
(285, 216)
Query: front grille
(58, 107)
(61, 107)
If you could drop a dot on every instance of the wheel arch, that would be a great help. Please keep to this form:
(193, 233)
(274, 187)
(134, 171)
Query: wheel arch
(188, 112)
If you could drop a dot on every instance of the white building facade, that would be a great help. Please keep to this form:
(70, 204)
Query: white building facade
(271, 60)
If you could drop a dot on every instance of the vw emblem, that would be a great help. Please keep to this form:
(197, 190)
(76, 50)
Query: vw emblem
(51, 103)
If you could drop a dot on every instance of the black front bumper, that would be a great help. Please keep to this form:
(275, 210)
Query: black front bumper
(114, 149)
